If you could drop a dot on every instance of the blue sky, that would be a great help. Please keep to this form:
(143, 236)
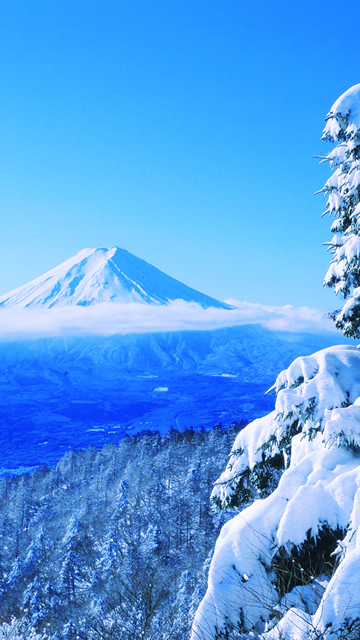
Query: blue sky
(180, 130)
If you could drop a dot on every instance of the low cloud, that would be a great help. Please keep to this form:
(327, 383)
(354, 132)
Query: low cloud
(108, 319)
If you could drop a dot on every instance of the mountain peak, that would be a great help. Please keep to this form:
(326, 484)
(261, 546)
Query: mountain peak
(100, 275)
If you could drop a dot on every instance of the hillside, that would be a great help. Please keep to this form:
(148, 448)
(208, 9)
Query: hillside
(111, 543)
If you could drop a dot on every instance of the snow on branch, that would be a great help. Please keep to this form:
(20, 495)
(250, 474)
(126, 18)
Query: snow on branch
(289, 563)
(343, 203)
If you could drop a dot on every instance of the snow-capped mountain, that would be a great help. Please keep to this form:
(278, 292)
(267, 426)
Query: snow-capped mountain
(104, 275)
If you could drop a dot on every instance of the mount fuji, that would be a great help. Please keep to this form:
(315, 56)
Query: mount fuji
(104, 275)
(72, 390)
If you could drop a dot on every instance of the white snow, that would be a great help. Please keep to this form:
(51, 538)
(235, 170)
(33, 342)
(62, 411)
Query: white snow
(112, 275)
(344, 114)
(320, 486)
(293, 626)
(331, 378)
(342, 191)
(346, 249)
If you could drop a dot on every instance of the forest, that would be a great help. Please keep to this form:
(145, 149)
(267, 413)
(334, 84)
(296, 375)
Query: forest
(112, 542)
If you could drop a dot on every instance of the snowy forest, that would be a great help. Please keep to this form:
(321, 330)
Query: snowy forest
(125, 542)
(112, 542)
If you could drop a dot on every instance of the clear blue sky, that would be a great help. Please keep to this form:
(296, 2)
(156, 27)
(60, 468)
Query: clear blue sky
(180, 130)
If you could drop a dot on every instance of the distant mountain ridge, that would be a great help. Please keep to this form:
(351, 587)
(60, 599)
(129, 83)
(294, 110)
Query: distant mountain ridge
(69, 392)
(110, 275)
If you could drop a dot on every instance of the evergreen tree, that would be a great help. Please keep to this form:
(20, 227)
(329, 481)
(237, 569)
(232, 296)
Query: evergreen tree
(16, 630)
(33, 602)
(76, 567)
(343, 203)
(182, 620)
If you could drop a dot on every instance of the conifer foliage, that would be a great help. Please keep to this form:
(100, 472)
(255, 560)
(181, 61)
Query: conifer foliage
(343, 203)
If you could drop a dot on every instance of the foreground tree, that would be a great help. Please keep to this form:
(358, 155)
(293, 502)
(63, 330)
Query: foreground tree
(343, 203)
(286, 567)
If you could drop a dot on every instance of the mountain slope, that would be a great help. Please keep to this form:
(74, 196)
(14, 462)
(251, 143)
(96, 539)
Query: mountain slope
(104, 275)
(63, 392)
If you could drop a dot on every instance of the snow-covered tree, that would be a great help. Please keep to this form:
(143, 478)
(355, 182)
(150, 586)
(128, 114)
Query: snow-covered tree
(75, 570)
(287, 566)
(180, 623)
(343, 203)
(16, 630)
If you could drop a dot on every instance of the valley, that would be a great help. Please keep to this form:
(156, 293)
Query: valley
(67, 393)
